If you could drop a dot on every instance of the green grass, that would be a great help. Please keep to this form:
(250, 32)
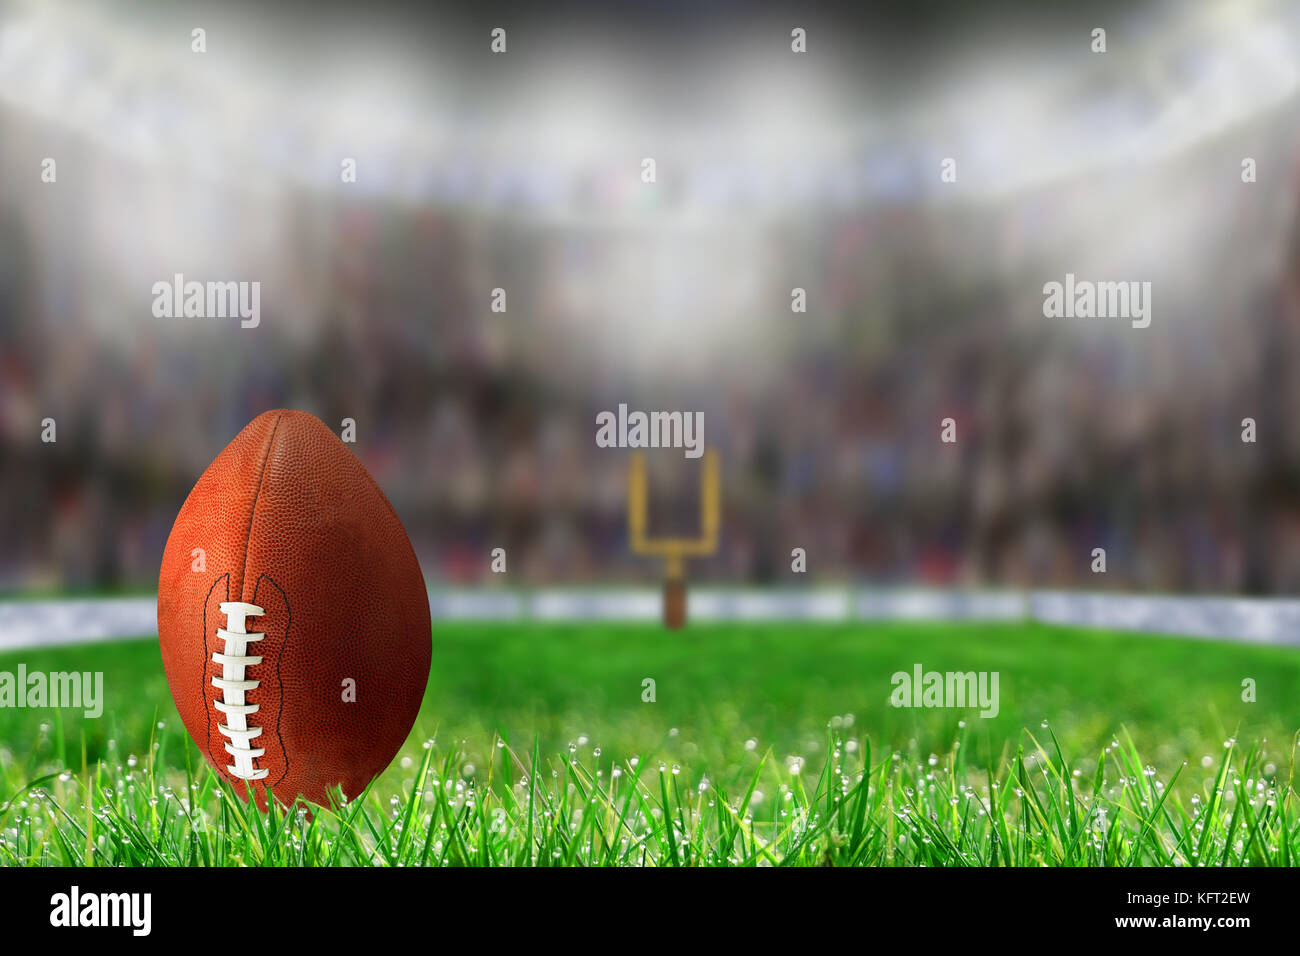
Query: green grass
(765, 745)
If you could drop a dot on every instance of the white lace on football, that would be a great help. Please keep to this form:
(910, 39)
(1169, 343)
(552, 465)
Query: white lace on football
(234, 683)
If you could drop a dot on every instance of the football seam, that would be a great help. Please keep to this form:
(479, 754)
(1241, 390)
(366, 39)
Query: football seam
(207, 660)
(243, 580)
(279, 682)
(252, 513)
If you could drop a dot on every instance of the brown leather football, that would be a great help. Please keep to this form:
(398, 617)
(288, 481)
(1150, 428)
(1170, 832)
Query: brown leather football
(292, 615)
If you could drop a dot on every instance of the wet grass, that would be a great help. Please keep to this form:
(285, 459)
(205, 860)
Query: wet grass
(766, 745)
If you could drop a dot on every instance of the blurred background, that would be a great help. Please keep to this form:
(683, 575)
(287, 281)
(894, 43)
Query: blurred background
(522, 171)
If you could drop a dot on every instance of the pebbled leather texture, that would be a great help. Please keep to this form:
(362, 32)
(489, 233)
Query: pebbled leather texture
(289, 519)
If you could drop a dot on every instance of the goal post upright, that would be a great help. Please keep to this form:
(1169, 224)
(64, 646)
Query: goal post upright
(674, 550)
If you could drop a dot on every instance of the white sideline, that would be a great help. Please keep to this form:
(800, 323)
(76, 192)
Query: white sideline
(44, 623)
(75, 621)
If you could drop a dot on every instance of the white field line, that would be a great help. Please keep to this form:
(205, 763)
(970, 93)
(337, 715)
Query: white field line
(45, 623)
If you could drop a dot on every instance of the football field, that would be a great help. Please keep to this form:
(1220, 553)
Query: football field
(762, 744)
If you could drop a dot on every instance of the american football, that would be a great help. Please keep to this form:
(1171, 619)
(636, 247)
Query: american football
(292, 615)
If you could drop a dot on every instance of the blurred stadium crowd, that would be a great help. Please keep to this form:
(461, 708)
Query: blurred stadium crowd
(1072, 434)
